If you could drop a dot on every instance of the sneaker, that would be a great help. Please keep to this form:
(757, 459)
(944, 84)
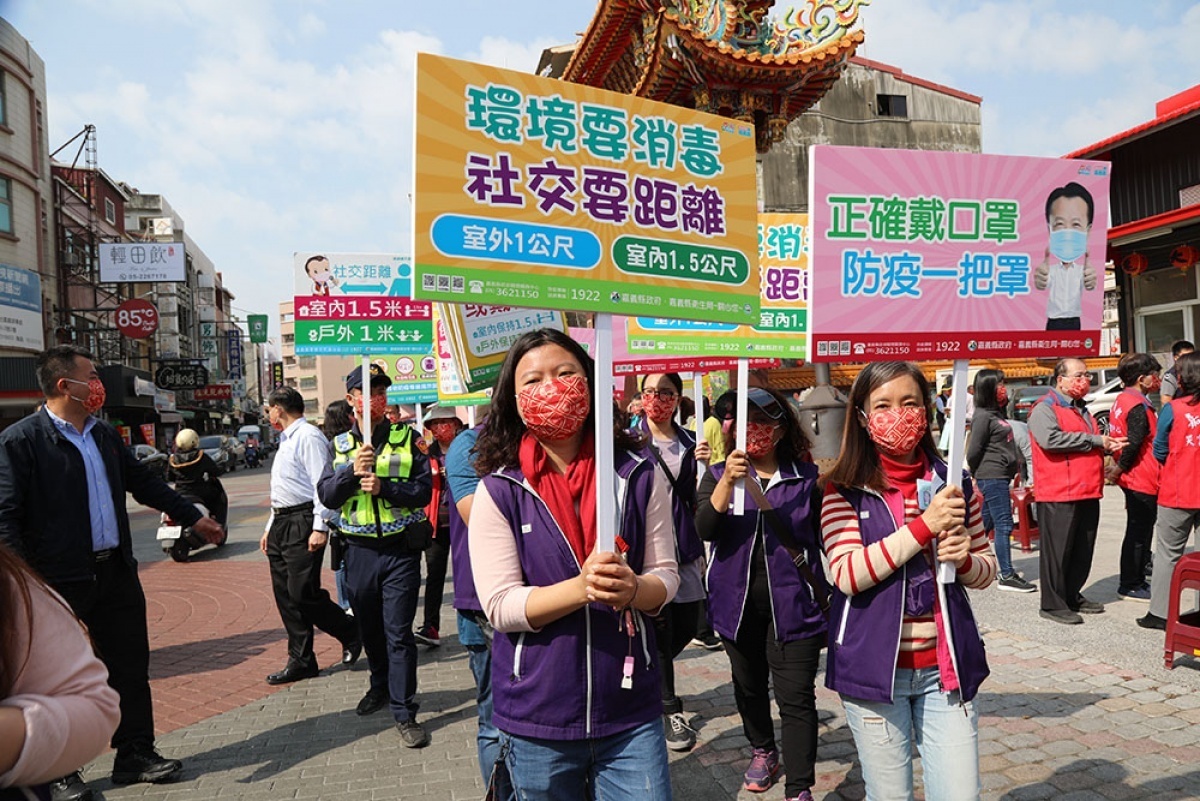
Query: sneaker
(763, 770)
(1141, 593)
(804, 795)
(1087, 607)
(680, 735)
(1062, 616)
(412, 734)
(428, 635)
(709, 642)
(1015, 583)
(1152, 621)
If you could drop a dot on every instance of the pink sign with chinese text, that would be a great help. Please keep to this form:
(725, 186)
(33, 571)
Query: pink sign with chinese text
(929, 255)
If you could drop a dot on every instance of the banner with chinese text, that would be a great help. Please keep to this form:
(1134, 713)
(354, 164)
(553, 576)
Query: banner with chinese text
(929, 255)
(414, 378)
(352, 303)
(782, 320)
(540, 193)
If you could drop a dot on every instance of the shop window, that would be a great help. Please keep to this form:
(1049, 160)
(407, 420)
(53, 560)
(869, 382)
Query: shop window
(1160, 287)
(892, 105)
(6, 216)
(1163, 329)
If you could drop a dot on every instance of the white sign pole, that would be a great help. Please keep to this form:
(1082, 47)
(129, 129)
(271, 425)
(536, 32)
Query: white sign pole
(958, 444)
(743, 384)
(366, 391)
(698, 400)
(419, 426)
(606, 503)
(470, 416)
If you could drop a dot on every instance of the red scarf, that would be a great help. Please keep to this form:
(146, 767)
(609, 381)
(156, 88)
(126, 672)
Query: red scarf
(904, 476)
(560, 491)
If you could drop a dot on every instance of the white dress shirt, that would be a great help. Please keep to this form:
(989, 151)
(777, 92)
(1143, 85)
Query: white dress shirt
(303, 456)
(1065, 290)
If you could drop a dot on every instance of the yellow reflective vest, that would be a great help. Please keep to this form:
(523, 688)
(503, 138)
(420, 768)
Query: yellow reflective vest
(366, 515)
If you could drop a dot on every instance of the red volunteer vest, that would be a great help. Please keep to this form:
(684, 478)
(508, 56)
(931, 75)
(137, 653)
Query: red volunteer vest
(1064, 476)
(1179, 487)
(1143, 476)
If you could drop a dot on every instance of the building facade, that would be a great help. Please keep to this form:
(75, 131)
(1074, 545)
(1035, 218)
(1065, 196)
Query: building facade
(28, 283)
(1154, 233)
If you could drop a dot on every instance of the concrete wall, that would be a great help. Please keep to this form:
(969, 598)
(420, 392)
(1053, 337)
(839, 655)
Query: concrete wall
(847, 115)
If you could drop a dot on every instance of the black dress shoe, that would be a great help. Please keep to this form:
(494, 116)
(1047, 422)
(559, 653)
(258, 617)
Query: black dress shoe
(145, 766)
(372, 702)
(290, 674)
(70, 788)
(351, 651)
(1152, 621)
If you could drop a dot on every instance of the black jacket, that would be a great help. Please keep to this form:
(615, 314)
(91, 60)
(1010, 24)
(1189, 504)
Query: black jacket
(44, 496)
(992, 451)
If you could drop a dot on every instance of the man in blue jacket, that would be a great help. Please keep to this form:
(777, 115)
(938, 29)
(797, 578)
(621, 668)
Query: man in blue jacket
(63, 479)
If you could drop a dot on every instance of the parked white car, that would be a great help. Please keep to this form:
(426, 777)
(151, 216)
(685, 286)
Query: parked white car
(1100, 400)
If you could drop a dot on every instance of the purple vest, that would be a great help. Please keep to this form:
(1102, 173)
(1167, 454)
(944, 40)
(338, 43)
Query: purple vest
(564, 682)
(864, 630)
(688, 547)
(796, 615)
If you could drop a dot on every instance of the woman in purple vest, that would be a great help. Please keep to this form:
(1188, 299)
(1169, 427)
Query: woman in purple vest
(906, 658)
(759, 602)
(575, 683)
(673, 449)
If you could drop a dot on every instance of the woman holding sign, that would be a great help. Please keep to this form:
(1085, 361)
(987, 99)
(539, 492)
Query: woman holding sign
(575, 682)
(766, 607)
(672, 448)
(906, 659)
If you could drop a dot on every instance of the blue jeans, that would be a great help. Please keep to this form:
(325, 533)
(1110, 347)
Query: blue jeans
(477, 639)
(997, 515)
(946, 734)
(631, 765)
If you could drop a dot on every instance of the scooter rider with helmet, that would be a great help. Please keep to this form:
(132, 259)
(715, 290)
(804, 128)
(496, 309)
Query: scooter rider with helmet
(196, 475)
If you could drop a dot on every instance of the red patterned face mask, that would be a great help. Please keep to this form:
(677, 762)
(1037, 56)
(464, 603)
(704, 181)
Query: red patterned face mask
(96, 396)
(897, 431)
(444, 432)
(1154, 383)
(379, 406)
(555, 410)
(658, 408)
(760, 439)
(1001, 394)
(1077, 387)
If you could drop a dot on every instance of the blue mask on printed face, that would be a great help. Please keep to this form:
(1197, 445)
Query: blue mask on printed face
(1068, 244)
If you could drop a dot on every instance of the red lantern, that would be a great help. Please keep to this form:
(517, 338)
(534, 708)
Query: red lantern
(1184, 256)
(1135, 264)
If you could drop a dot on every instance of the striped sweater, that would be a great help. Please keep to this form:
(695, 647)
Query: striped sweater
(854, 568)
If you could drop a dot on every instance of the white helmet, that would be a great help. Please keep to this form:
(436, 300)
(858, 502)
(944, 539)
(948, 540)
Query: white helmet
(187, 440)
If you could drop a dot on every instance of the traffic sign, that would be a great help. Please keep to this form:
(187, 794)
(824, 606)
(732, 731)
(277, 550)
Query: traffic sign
(136, 318)
(180, 375)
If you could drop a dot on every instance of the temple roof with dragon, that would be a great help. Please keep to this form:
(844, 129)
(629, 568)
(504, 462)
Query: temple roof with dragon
(726, 57)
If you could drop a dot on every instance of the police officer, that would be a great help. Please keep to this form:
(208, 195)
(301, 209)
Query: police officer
(381, 488)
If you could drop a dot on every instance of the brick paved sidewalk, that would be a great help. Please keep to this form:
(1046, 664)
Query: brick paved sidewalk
(1054, 724)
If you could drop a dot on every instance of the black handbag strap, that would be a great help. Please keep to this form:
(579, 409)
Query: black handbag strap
(685, 493)
(781, 532)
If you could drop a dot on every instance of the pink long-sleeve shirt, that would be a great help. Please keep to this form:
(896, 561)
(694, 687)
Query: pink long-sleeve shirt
(496, 564)
(62, 690)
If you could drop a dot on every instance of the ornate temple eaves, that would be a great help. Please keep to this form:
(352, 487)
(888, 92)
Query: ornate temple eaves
(721, 56)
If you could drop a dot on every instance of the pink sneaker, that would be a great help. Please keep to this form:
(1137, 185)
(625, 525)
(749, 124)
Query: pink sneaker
(763, 770)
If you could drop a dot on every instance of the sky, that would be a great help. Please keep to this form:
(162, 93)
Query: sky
(275, 126)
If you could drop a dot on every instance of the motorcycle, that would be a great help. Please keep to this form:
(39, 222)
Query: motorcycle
(252, 456)
(179, 541)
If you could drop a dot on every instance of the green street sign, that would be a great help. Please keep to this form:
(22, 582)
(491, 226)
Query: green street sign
(258, 327)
